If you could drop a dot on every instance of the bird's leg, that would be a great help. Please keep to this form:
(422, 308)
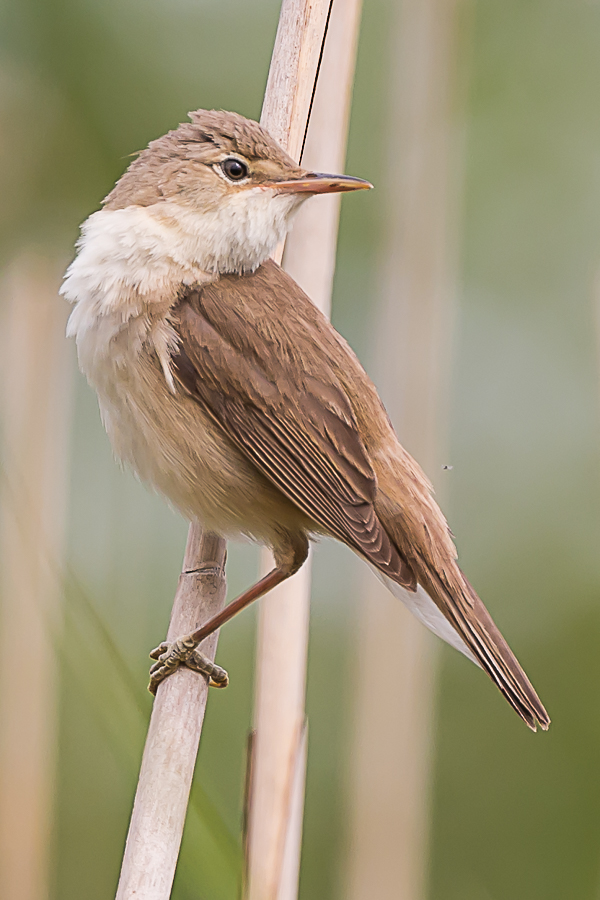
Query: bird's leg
(289, 553)
(183, 651)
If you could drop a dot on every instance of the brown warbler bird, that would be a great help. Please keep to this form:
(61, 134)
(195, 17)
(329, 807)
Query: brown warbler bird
(224, 388)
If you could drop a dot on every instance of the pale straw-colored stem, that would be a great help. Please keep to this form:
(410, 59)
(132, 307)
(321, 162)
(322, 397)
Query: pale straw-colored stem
(293, 71)
(36, 405)
(173, 736)
(392, 758)
(279, 761)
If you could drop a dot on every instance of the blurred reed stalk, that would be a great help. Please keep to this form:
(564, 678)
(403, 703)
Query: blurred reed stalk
(276, 796)
(36, 407)
(391, 779)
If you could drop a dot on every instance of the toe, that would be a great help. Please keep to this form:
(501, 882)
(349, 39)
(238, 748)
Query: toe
(219, 679)
(156, 653)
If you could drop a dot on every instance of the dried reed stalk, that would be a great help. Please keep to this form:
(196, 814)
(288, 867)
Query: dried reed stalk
(391, 779)
(36, 403)
(171, 747)
(279, 759)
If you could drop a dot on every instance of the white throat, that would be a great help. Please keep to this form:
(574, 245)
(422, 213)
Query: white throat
(142, 254)
(235, 236)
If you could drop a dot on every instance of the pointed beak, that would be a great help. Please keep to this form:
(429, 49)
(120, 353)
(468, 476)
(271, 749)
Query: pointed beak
(317, 183)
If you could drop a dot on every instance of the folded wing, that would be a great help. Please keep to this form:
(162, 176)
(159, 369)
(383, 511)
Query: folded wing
(298, 430)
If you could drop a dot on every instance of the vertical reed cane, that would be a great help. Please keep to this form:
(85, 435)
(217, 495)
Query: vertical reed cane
(36, 406)
(278, 770)
(391, 779)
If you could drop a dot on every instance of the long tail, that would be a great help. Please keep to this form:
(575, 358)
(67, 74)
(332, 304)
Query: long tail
(455, 613)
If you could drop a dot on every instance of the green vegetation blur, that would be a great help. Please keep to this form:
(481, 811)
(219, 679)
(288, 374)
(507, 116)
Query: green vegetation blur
(515, 816)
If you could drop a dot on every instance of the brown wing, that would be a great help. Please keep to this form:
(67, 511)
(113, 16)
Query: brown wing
(297, 428)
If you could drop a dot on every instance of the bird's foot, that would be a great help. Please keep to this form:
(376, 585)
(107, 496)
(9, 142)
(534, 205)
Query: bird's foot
(183, 652)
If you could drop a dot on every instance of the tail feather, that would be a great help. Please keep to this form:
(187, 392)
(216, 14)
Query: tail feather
(444, 600)
(456, 614)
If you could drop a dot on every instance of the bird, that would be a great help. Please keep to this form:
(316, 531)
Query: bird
(226, 390)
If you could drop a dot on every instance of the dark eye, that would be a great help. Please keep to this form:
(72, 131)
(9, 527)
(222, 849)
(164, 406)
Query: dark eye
(235, 169)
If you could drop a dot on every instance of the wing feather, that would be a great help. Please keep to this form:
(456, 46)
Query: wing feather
(297, 430)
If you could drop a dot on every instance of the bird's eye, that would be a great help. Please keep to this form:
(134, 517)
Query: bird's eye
(234, 169)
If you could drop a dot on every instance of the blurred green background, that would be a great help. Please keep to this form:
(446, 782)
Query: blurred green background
(82, 85)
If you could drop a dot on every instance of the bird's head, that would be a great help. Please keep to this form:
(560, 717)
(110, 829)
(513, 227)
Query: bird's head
(223, 181)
